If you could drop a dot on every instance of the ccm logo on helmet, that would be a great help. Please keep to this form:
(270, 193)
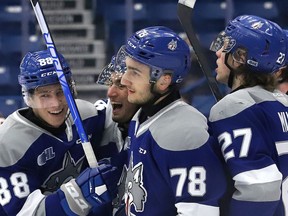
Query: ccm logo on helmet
(51, 73)
(131, 45)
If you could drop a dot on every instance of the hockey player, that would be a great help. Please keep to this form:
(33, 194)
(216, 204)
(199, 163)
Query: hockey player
(282, 74)
(171, 168)
(250, 123)
(118, 110)
(41, 154)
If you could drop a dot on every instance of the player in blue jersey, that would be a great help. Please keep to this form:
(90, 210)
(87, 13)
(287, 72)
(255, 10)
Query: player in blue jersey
(43, 169)
(118, 110)
(250, 123)
(282, 74)
(172, 169)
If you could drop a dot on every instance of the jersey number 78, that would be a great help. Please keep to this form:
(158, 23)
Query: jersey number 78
(196, 177)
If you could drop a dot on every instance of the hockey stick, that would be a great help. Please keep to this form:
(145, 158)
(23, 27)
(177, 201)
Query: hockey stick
(87, 147)
(184, 12)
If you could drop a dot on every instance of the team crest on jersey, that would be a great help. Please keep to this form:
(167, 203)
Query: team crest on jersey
(46, 155)
(132, 188)
(70, 169)
(172, 45)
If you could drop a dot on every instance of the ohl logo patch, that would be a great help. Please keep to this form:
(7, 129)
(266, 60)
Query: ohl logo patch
(135, 194)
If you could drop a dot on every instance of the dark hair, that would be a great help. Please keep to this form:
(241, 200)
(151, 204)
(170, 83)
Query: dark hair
(250, 79)
(284, 75)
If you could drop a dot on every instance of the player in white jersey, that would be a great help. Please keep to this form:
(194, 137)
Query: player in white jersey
(250, 123)
(172, 169)
(43, 168)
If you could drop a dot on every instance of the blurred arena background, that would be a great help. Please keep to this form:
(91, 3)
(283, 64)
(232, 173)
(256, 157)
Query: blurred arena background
(89, 32)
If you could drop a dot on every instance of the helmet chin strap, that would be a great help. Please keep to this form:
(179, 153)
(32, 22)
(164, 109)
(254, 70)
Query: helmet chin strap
(231, 74)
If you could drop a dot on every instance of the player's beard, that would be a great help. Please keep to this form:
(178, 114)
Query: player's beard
(140, 98)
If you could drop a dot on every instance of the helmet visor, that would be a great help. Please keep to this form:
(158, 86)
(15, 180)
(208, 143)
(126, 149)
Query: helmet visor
(218, 42)
(104, 77)
(47, 96)
(120, 61)
(223, 41)
(113, 71)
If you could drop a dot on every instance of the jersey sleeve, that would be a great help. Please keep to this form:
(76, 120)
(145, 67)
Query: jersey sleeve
(20, 195)
(244, 140)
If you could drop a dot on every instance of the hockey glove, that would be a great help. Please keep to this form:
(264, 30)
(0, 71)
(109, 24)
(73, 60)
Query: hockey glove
(93, 188)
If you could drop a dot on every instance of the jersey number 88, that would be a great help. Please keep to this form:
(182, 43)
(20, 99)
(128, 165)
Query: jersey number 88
(20, 187)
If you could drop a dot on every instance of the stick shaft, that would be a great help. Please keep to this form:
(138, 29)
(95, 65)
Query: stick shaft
(88, 150)
(184, 11)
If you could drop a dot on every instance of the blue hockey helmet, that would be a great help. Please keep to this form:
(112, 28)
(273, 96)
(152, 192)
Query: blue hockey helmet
(37, 69)
(264, 43)
(161, 49)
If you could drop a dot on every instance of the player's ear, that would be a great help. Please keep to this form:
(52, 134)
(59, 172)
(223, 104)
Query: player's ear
(164, 82)
(26, 98)
(28, 101)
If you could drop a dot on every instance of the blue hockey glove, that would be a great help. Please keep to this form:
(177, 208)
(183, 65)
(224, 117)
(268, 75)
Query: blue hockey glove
(104, 161)
(93, 188)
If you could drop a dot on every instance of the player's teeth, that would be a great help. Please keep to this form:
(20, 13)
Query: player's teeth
(55, 112)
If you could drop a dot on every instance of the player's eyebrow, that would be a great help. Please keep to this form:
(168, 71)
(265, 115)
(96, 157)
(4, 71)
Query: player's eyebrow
(116, 80)
(47, 90)
(133, 68)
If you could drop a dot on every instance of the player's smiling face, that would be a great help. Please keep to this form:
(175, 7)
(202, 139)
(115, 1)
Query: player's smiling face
(123, 111)
(137, 81)
(49, 104)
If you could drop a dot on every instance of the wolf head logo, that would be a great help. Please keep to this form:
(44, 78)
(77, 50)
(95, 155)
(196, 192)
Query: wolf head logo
(69, 170)
(131, 187)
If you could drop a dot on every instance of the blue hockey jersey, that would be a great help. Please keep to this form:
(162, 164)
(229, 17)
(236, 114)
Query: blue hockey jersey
(171, 168)
(251, 126)
(34, 163)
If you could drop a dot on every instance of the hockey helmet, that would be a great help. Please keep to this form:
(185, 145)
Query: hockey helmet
(263, 42)
(161, 49)
(37, 69)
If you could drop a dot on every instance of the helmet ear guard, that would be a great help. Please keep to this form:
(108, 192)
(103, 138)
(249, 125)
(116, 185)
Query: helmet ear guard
(240, 56)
